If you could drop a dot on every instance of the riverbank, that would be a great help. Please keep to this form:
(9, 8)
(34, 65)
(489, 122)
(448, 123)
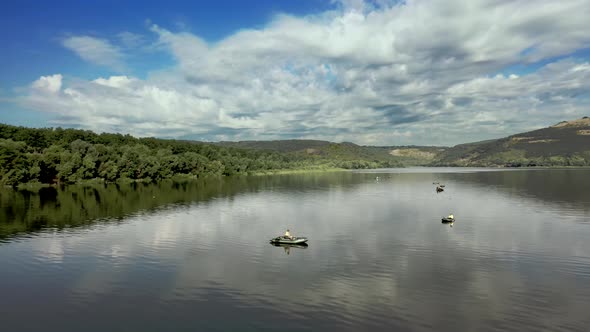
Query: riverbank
(298, 171)
(36, 186)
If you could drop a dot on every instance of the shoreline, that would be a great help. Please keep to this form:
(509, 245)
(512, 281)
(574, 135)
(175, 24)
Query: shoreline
(34, 186)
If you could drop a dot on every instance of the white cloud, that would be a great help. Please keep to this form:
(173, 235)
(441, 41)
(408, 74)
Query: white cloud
(95, 50)
(131, 40)
(51, 84)
(420, 72)
(115, 81)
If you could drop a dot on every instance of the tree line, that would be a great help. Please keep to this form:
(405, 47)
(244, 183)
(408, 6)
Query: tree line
(60, 156)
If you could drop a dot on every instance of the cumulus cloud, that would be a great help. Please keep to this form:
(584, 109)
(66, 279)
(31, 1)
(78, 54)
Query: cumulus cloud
(421, 72)
(51, 84)
(95, 50)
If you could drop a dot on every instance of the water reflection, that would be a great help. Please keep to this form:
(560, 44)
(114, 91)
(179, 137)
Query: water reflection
(567, 188)
(449, 223)
(515, 261)
(27, 211)
(287, 247)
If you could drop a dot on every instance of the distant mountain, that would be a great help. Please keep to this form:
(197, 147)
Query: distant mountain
(397, 155)
(291, 145)
(564, 144)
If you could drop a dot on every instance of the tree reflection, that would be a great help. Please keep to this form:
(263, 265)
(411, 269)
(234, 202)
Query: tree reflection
(287, 247)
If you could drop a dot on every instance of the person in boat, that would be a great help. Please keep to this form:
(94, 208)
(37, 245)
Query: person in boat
(288, 235)
(451, 217)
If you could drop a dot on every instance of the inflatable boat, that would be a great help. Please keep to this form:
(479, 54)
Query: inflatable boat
(289, 240)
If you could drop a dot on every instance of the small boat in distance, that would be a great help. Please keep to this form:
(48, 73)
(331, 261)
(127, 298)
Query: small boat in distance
(289, 240)
(439, 189)
(447, 220)
(286, 245)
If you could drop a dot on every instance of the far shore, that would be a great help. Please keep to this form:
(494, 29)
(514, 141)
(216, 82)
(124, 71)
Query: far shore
(34, 186)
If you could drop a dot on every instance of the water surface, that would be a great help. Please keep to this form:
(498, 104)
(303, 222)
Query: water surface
(195, 256)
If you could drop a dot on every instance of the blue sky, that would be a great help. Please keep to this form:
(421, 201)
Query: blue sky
(32, 30)
(379, 72)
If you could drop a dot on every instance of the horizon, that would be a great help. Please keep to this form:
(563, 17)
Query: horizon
(304, 139)
(369, 72)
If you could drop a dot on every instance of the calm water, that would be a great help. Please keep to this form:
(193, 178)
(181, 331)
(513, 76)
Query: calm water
(195, 257)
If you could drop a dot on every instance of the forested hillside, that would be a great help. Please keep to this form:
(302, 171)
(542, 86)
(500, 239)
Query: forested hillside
(56, 155)
(400, 155)
(564, 144)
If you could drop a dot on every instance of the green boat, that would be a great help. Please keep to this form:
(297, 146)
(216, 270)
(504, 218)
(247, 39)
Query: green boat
(288, 246)
(289, 240)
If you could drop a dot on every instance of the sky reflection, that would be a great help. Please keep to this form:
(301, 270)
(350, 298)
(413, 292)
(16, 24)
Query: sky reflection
(378, 257)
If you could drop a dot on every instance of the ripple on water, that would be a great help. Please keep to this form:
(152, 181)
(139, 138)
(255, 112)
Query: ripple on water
(378, 259)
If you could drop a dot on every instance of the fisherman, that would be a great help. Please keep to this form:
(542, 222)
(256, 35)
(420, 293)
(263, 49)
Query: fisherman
(451, 216)
(288, 235)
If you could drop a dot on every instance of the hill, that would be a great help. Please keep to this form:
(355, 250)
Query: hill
(393, 155)
(291, 145)
(564, 144)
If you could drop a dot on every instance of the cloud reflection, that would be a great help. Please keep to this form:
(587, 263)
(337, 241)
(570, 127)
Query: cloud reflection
(378, 255)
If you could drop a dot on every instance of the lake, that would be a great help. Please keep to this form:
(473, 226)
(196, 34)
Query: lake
(196, 256)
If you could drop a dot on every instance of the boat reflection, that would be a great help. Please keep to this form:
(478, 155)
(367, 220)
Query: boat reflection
(446, 221)
(287, 247)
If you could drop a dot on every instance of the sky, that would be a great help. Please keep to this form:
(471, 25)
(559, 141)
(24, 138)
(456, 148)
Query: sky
(380, 72)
